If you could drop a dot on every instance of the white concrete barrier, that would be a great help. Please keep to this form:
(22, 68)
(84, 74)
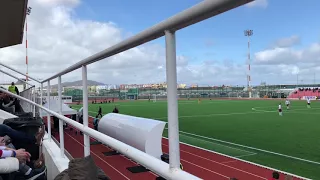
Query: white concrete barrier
(141, 133)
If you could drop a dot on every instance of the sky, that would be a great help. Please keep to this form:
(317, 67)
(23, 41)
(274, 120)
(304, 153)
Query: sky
(284, 48)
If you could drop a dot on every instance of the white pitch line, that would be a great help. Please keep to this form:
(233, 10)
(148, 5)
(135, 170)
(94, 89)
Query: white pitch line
(210, 115)
(256, 149)
(246, 155)
(198, 139)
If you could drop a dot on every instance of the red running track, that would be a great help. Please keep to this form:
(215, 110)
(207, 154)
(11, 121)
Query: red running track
(199, 162)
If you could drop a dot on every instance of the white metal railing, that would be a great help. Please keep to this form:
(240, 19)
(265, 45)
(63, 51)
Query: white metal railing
(159, 167)
(167, 28)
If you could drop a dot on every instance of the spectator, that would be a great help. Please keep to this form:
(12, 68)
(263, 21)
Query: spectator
(20, 136)
(100, 112)
(9, 165)
(22, 157)
(13, 89)
(8, 150)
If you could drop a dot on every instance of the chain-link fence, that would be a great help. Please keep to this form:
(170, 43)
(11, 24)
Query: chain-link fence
(32, 95)
(263, 91)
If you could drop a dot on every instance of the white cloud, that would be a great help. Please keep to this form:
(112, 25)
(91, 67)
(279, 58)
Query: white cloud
(258, 3)
(287, 42)
(58, 39)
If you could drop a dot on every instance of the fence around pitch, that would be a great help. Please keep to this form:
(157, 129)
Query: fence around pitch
(157, 166)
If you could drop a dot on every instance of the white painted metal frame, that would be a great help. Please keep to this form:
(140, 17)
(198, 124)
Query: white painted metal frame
(61, 134)
(49, 116)
(12, 69)
(159, 167)
(15, 77)
(167, 28)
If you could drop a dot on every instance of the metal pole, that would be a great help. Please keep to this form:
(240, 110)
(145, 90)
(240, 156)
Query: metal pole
(48, 116)
(41, 92)
(85, 110)
(249, 33)
(173, 123)
(34, 100)
(60, 121)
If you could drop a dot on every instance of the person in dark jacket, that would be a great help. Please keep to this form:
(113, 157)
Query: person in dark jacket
(115, 110)
(100, 112)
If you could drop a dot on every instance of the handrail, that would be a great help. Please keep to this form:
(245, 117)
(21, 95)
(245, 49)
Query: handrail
(195, 14)
(16, 77)
(12, 69)
(159, 167)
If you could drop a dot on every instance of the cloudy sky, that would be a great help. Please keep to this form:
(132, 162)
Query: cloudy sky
(286, 42)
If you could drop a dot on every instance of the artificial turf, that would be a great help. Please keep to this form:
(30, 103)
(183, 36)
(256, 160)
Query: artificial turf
(253, 123)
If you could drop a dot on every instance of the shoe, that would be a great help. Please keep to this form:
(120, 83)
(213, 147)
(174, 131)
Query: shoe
(35, 173)
(39, 163)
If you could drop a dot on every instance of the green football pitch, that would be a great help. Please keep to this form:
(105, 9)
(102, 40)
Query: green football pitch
(249, 130)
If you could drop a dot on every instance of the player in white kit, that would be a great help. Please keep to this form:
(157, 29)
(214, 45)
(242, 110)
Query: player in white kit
(308, 103)
(288, 104)
(280, 109)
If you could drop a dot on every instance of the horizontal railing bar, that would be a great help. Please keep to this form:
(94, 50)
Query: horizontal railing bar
(195, 14)
(16, 77)
(12, 69)
(157, 166)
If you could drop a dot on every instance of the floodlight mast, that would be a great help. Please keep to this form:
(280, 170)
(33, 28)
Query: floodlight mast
(27, 13)
(249, 33)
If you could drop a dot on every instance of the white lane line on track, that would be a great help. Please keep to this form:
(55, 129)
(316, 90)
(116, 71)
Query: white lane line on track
(219, 163)
(205, 169)
(98, 157)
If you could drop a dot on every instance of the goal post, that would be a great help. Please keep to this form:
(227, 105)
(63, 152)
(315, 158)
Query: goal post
(154, 98)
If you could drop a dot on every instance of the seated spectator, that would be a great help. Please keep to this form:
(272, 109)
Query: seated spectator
(9, 165)
(22, 157)
(20, 136)
(115, 110)
(7, 150)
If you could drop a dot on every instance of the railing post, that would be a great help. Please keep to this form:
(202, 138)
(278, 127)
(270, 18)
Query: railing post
(34, 100)
(173, 122)
(48, 116)
(60, 121)
(41, 92)
(85, 110)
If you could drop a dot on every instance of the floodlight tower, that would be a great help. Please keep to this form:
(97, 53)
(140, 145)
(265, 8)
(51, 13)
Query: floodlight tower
(27, 13)
(249, 33)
